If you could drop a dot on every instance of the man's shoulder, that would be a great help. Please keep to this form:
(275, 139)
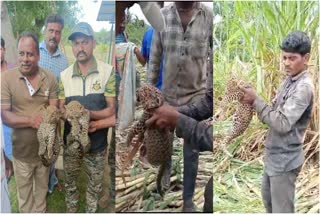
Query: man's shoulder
(62, 55)
(47, 73)
(42, 45)
(166, 9)
(306, 80)
(206, 8)
(68, 70)
(103, 66)
(11, 73)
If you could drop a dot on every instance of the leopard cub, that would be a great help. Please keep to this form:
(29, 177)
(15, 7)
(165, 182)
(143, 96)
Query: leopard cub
(78, 141)
(49, 135)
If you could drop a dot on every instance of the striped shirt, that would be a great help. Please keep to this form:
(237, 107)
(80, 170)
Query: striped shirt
(184, 54)
(55, 63)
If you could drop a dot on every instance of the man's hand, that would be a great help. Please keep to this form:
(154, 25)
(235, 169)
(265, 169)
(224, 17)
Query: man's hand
(93, 126)
(249, 95)
(35, 121)
(164, 116)
(8, 165)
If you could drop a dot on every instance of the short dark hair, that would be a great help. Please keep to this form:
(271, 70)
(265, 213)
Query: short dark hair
(30, 35)
(3, 44)
(54, 18)
(296, 42)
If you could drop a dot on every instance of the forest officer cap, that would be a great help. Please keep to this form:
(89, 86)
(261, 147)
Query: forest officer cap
(80, 29)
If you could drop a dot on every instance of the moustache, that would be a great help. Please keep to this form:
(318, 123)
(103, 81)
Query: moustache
(25, 64)
(53, 39)
(81, 52)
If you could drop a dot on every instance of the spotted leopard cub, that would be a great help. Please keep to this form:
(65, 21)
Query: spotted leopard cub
(157, 144)
(78, 141)
(49, 135)
(242, 116)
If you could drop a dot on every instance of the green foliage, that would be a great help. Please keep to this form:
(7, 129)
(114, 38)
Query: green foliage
(103, 36)
(248, 37)
(149, 204)
(238, 190)
(30, 15)
(135, 29)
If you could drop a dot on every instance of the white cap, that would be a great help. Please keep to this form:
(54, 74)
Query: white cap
(151, 11)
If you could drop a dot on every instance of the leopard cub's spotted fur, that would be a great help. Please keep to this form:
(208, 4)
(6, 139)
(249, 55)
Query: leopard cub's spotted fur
(243, 115)
(49, 135)
(157, 144)
(78, 141)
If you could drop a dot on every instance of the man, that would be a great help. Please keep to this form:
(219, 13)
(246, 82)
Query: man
(52, 59)
(288, 118)
(184, 46)
(187, 121)
(92, 83)
(24, 91)
(121, 37)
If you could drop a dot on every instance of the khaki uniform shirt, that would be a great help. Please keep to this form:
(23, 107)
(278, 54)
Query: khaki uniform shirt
(15, 93)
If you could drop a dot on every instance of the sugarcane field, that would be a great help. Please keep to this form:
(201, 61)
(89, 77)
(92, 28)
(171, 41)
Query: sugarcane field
(248, 48)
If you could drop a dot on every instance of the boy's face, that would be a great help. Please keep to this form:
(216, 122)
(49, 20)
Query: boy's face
(294, 63)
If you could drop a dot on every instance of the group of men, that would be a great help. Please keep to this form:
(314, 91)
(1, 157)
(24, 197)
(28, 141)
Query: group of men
(184, 45)
(179, 58)
(43, 77)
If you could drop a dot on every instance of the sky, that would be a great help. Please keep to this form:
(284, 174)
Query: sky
(91, 15)
(90, 12)
(135, 9)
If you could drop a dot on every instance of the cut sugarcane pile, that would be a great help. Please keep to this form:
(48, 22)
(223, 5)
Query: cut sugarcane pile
(237, 181)
(139, 192)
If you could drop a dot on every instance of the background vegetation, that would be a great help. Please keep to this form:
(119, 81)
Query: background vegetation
(247, 36)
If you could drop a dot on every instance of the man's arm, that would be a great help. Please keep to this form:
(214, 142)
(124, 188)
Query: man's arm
(155, 58)
(194, 131)
(107, 112)
(186, 127)
(14, 121)
(281, 120)
(103, 123)
(139, 56)
(200, 110)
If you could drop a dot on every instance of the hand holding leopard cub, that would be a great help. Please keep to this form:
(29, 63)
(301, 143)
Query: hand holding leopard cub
(49, 135)
(241, 92)
(78, 141)
(156, 143)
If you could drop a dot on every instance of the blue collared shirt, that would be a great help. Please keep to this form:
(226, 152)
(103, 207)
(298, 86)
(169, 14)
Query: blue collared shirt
(55, 63)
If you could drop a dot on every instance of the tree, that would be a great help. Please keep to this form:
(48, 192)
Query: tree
(135, 28)
(7, 35)
(30, 15)
(103, 36)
